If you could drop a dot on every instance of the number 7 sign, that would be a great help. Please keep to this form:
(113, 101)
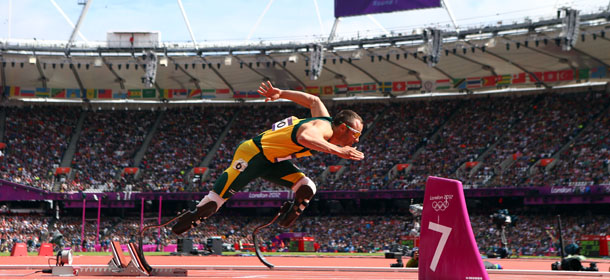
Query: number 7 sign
(447, 249)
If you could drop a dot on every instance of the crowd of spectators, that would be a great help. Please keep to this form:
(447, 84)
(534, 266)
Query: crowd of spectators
(526, 235)
(400, 130)
(181, 142)
(36, 138)
(107, 144)
(505, 138)
(584, 162)
(551, 122)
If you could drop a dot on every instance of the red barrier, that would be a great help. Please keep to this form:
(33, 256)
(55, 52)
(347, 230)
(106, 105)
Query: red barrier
(19, 250)
(402, 166)
(62, 170)
(200, 170)
(46, 249)
(335, 168)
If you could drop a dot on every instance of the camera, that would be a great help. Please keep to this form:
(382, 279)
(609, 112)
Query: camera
(573, 264)
(501, 218)
(416, 209)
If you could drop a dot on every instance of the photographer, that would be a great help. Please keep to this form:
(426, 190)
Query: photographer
(414, 261)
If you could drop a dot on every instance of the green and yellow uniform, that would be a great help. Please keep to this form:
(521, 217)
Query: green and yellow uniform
(266, 156)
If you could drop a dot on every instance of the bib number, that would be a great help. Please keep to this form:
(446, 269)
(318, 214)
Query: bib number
(282, 124)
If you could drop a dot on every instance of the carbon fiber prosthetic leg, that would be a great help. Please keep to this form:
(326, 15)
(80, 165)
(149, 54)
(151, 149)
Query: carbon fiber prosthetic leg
(304, 190)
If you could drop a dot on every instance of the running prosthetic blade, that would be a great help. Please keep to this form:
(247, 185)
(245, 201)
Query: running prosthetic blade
(190, 219)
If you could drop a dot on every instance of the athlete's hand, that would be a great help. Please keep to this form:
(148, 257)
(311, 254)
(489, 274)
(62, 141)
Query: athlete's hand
(348, 152)
(267, 90)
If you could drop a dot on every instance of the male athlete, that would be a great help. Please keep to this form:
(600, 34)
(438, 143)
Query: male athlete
(267, 155)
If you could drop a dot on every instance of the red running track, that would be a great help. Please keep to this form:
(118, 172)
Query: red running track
(248, 267)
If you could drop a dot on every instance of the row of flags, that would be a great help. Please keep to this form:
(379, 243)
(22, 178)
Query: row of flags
(396, 87)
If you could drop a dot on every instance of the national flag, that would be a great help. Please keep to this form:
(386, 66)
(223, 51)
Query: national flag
(537, 76)
(313, 90)
(489, 81)
(119, 95)
(566, 75)
(58, 92)
(222, 91)
(134, 93)
(104, 93)
(518, 78)
(385, 87)
(253, 94)
(194, 93)
(459, 83)
(208, 93)
(549, 76)
(327, 90)
(369, 87)
(354, 88)
(73, 93)
(414, 85)
(168, 93)
(149, 93)
(399, 86)
(28, 92)
(91, 93)
(240, 94)
(428, 86)
(503, 80)
(43, 92)
(443, 84)
(14, 91)
(583, 74)
(473, 82)
(180, 93)
(598, 73)
(340, 89)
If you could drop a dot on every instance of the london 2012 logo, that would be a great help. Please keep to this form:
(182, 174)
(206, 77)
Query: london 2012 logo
(441, 202)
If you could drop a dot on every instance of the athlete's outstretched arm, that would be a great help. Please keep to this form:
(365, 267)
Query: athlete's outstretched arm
(312, 137)
(312, 102)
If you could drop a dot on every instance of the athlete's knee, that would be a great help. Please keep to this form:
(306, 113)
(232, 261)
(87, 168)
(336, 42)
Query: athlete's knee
(211, 202)
(304, 190)
(192, 218)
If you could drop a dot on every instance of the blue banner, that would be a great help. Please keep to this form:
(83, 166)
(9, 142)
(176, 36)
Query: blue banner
(346, 8)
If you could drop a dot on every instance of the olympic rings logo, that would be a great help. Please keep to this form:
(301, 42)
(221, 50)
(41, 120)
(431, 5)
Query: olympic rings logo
(440, 205)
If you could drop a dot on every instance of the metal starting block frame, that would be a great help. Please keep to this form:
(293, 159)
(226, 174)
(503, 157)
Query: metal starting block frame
(118, 266)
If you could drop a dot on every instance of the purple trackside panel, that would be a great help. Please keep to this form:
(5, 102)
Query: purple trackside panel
(448, 249)
(346, 8)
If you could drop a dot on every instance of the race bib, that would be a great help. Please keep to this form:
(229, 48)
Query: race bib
(282, 124)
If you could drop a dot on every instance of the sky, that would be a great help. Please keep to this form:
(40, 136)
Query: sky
(253, 21)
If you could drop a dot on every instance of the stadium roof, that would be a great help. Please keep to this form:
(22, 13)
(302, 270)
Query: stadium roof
(517, 55)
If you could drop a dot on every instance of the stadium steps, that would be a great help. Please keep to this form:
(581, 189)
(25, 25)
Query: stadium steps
(69, 154)
(557, 155)
(146, 143)
(212, 152)
(434, 134)
(508, 162)
(483, 156)
(2, 123)
(421, 146)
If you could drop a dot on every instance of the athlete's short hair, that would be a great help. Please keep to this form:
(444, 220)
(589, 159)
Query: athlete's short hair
(346, 116)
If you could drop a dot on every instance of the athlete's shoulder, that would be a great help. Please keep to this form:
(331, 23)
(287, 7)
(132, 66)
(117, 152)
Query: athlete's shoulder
(328, 119)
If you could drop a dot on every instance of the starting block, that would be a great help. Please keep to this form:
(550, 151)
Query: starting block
(447, 249)
(118, 266)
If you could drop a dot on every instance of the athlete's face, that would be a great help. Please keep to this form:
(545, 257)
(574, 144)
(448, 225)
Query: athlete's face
(350, 132)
